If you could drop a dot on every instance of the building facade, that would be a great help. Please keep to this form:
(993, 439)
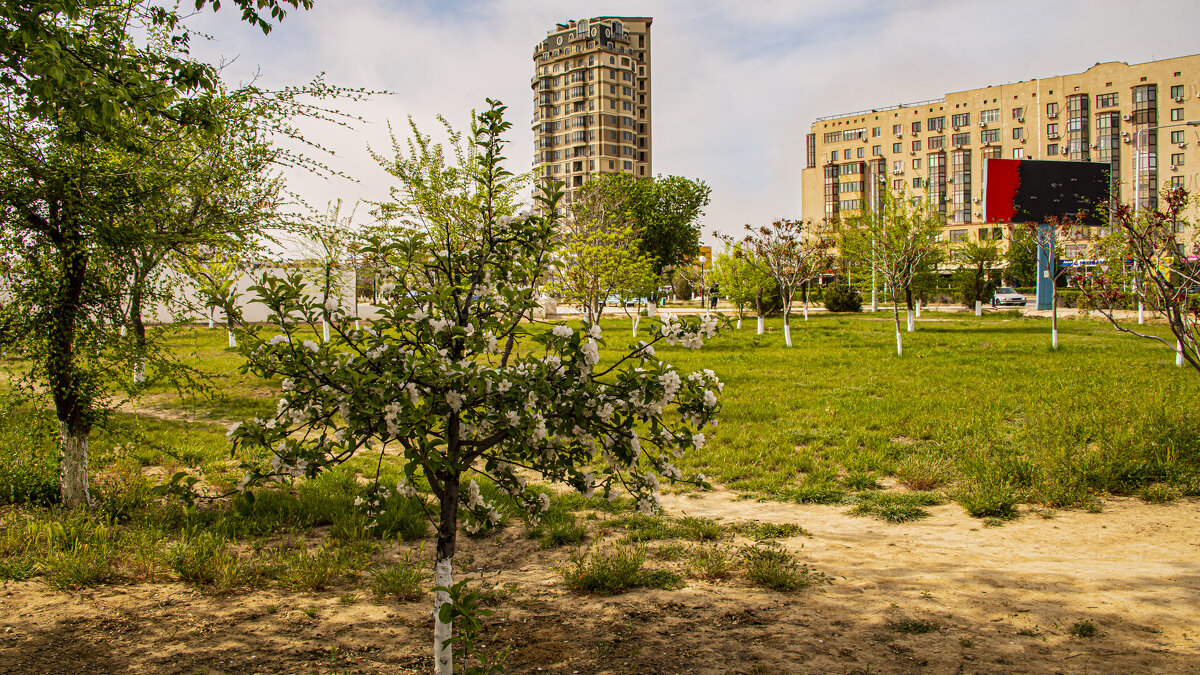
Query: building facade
(592, 100)
(1135, 117)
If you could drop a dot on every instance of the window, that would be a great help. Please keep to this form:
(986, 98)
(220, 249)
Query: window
(1177, 91)
(1018, 133)
(916, 163)
(916, 127)
(861, 152)
(898, 166)
(1052, 109)
(1052, 130)
(898, 129)
(936, 142)
(993, 153)
(987, 116)
(1177, 137)
(1018, 113)
(1176, 114)
(916, 146)
(1107, 100)
(935, 123)
(958, 235)
(1052, 149)
(1177, 182)
(833, 156)
(846, 153)
(959, 140)
(916, 182)
(898, 184)
(989, 136)
(876, 132)
(876, 150)
(1018, 153)
(897, 147)
(629, 166)
(1177, 159)
(961, 120)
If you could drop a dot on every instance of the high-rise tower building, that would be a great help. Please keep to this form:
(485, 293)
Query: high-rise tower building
(1141, 119)
(591, 87)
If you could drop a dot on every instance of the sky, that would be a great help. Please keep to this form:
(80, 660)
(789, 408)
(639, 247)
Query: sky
(736, 85)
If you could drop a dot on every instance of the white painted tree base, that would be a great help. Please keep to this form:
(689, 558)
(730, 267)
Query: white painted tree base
(978, 308)
(139, 372)
(739, 324)
(325, 330)
(912, 323)
(232, 339)
(443, 653)
(787, 335)
(899, 344)
(762, 328)
(1141, 313)
(918, 309)
(1179, 353)
(1054, 338)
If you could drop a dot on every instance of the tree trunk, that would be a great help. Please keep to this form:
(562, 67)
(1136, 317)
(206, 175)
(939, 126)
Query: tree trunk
(1054, 316)
(229, 332)
(787, 328)
(758, 306)
(896, 319)
(139, 334)
(71, 403)
(443, 573)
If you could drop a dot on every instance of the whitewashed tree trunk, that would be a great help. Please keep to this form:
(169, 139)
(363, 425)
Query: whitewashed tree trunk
(912, 323)
(122, 331)
(1178, 353)
(806, 310)
(651, 308)
(978, 308)
(325, 329)
(787, 328)
(210, 318)
(1054, 318)
(918, 309)
(634, 322)
(232, 339)
(443, 654)
(739, 323)
(762, 328)
(73, 472)
(896, 321)
(139, 371)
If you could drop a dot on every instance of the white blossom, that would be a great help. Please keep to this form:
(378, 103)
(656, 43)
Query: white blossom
(563, 331)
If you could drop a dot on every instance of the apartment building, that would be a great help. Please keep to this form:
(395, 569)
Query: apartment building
(592, 100)
(1140, 118)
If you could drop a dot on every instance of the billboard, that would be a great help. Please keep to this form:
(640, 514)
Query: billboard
(1034, 191)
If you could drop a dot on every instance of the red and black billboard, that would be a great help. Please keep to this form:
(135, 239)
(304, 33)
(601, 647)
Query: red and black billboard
(1034, 191)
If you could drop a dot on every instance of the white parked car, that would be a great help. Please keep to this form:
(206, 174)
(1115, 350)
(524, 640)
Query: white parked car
(1007, 297)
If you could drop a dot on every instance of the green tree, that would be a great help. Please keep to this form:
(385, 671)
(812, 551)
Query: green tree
(595, 264)
(663, 212)
(976, 262)
(897, 237)
(1021, 259)
(438, 380)
(87, 105)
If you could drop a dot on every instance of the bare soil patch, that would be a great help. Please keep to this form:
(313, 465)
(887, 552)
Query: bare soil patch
(945, 594)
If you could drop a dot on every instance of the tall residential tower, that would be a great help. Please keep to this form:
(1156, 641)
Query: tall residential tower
(591, 87)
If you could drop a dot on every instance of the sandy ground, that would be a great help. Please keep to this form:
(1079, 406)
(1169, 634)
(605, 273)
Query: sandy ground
(1002, 599)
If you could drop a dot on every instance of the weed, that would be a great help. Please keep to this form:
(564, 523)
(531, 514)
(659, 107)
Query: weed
(711, 563)
(762, 531)
(896, 507)
(987, 499)
(558, 528)
(403, 580)
(813, 494)
(861, 480)
(1030, 632)
(84, 565)
(700, 529)
(1159, 493)
(1083, 629)
(347, 599)
(671, 551)
(315, 571)
(770, 566)
(614, 570)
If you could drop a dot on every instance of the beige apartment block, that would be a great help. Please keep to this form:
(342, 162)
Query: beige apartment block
(591, 87)
(1113, 112)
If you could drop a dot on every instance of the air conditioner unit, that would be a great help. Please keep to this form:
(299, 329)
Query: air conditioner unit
(983, 125)
(912, 152)
(1052, 136)
(949, 180)
(956, 127)
(1023, 140)
(897, 172)
(1127, 117)
(1053, 116)
(1095, 146)
(1127, 139)
(976, 200)
(1021, 120)
(899, 135)
(1174, 167)
(1179, 99)
(1183, 145)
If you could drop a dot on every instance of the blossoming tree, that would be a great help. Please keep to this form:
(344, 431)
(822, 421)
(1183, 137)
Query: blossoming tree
(439, 379)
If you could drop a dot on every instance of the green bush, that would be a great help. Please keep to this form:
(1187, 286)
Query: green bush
(841, 297)
(615, 571)
(770, 566)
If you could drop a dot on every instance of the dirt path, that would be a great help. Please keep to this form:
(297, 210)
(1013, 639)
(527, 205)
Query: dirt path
(941, 595)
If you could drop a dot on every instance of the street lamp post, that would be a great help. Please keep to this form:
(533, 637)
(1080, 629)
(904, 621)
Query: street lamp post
(1138, 138)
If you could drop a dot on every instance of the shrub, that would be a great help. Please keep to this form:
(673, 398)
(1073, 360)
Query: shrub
(841, 297)
(558, 528)
(896, 507)
(711, 562)
(29, 461)
(1083, 629)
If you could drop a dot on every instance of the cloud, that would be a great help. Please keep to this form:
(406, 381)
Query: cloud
(736, 84)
